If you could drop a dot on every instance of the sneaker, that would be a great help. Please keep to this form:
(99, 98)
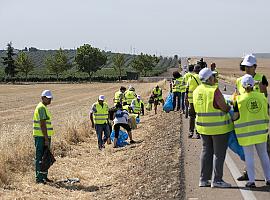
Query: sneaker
(198, 136)
(267, 183)
(190, 135)
(204, 184)
(250, 185)
(244, 177)
(132, 142)
(220, 184)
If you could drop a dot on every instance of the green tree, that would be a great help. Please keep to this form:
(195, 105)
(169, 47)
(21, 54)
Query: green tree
(58, 63)
(118, 64)
(24, 64)
(144, 63)
(89, 59)
(10, 69)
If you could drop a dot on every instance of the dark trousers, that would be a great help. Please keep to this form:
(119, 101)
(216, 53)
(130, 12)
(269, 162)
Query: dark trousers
(39, 146)
(192, 116)
(214, 146)
(176, 95)
(100, 128)
(183, 100)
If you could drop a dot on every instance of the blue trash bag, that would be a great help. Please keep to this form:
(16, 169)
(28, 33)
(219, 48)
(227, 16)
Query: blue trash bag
(168, 105)
(123, 136)
(234, 145)
(138, 120)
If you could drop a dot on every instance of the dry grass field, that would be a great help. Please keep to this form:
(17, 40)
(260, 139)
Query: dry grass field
(109, 174)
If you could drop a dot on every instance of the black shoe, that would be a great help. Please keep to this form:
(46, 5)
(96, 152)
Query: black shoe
(244, 177)
(40, 181)
(47, 180)
(267, 183)
(198, 136)
(250, 185)
(190, 135)
(132, 142)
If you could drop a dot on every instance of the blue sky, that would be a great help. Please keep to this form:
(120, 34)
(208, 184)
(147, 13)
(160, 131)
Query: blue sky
(186, 28)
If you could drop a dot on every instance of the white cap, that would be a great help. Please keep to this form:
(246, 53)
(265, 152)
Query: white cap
(47, 93)
(138, 96)
(247, 81)
(249, 60)
(101, 97)
(205, 74)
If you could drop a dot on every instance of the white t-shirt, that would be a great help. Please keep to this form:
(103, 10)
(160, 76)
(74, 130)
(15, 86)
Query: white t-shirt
(121, 117)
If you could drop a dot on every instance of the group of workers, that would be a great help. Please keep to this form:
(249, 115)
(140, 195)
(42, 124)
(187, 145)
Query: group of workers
(246, 113)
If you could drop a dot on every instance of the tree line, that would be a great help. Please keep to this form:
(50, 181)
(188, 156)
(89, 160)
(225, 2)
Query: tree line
(88, 59)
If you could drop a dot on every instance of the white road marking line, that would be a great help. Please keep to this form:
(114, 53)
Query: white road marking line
(247, 194)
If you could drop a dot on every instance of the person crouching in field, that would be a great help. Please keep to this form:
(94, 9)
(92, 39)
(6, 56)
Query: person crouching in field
(121, 120)
(251, 117)
(42, 132)
(214, 124)
(99, 115)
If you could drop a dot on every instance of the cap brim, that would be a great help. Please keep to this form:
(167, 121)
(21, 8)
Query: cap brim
(49, 97)
(247, 64)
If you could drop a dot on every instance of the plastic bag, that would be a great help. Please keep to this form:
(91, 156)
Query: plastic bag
(168, 105)
(234, 146)
(123, 136)
(138, 120)
(47, 160)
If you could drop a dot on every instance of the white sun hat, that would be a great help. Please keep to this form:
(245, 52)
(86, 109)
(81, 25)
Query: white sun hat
(101, 97)
(247, 81)
(205, 74)
(249, 60)
(47, 93)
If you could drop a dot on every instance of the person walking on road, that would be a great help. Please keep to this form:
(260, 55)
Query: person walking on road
(121, 120)
(185, 80)
(99, 115)
(214, 124)
(249, 65)
(251, 128)
(42, 132)
(192, 84)
(176, 85)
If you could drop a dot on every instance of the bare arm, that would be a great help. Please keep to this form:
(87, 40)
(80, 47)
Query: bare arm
(43, 127)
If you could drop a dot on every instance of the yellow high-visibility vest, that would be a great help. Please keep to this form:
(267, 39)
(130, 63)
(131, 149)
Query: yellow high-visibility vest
(137, 106)
(178, 85)
(158, 93)
(257, 78)
(36, 122)
(129, 96)
(101, 116)
(209, 120)
(118, 97)
(252, 126)
(193, 82)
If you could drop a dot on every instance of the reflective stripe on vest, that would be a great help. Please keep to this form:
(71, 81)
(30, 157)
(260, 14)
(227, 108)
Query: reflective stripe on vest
(137, 106)
(101, 114)
(209, 120)
(252, 125)
(36, 121)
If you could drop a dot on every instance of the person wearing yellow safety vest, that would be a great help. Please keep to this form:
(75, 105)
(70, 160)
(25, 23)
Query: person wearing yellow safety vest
(214, 124)
(192, 84)
(119, 96)
(249, 65)
(137, 105)
(121, 120)
(185, 80)
(251, 117)
(42, 132)
(99, 115)
(175, 87)
(129, 95)
(157, 95)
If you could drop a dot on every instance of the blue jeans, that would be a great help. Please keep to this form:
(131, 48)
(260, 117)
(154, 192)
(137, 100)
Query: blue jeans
(178, 96)
(100, 128)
